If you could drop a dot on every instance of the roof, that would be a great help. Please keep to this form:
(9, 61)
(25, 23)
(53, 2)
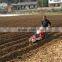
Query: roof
(25, 3)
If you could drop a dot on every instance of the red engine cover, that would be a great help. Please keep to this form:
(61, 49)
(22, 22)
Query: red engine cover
(42, 34)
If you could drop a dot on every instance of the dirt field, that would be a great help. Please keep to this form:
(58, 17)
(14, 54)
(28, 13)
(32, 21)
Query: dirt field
(28, 21)
(49, 50)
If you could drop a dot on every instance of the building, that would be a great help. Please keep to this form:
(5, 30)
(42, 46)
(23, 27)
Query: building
(15, 5)
(23, 5)
(55, 3)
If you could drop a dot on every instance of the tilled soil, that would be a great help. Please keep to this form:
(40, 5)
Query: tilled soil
(49, 51)
(29, 21)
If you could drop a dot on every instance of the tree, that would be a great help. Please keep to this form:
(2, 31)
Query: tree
(40, 3)
(43, 3)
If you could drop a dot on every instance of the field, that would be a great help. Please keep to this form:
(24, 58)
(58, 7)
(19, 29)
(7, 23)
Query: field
(15, 47)
(29, 21)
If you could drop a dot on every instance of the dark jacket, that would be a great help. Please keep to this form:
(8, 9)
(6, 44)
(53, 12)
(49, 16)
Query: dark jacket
(46, 23)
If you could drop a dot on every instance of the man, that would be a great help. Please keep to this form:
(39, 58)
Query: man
(45, 23)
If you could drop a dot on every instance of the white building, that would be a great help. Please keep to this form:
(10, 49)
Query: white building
(55, 3)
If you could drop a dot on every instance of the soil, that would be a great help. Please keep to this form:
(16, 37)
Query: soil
(29, 21)
(51, 50)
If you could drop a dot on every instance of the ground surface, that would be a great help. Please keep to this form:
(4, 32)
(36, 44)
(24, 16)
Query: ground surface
(50, 50)
(28, 21)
